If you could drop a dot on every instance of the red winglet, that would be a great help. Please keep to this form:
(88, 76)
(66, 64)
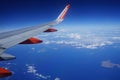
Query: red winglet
(63, 13)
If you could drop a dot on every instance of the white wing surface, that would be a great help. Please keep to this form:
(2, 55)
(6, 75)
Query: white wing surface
(11, 38)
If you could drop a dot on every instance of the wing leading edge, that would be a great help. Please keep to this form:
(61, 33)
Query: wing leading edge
(11, 38)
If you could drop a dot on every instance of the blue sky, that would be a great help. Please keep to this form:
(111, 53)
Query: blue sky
(83, 13)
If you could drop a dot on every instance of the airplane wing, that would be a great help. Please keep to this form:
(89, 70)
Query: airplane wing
(11, 38)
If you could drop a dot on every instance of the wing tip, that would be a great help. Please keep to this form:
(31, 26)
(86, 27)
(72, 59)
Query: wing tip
(68, 5)
(64, 12)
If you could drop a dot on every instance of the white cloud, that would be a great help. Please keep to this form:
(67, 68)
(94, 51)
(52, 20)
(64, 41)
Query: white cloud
(78, 41)
(88, 39)
(32, 69)
(42, 76)
(33, 48)
(57, 78)
(74, 36)
(109, 64)
(116, 38)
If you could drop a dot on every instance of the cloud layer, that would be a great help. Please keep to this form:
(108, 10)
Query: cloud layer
(89, 40)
